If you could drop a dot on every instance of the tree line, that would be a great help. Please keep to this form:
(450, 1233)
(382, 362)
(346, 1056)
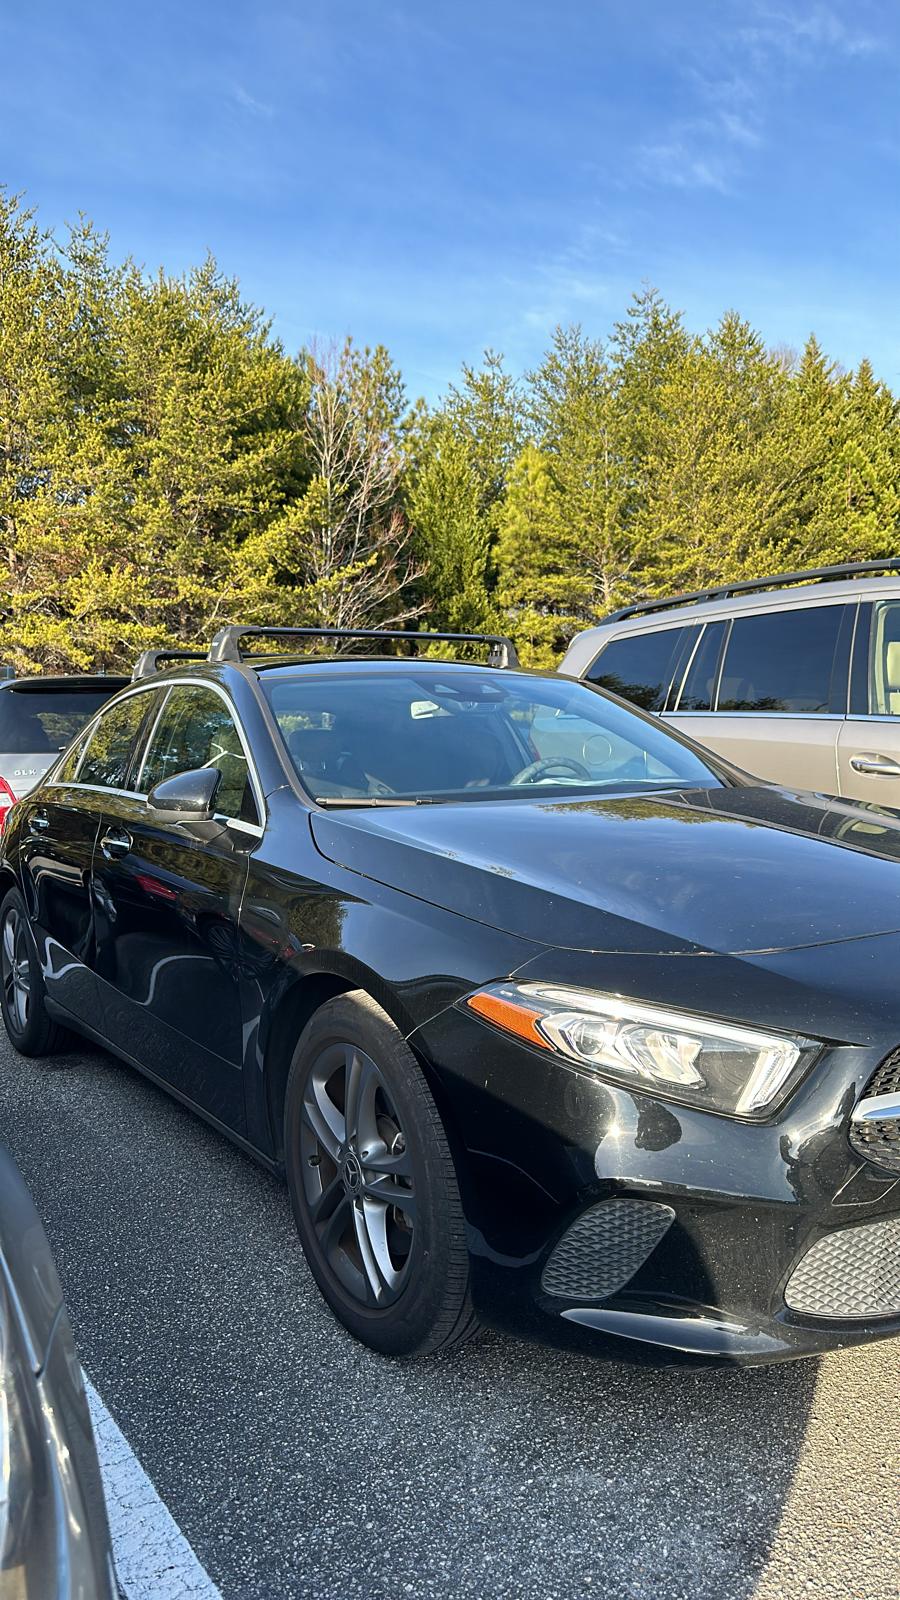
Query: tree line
(167, 466)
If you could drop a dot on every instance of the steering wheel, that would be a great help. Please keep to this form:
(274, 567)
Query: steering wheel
(549, 765)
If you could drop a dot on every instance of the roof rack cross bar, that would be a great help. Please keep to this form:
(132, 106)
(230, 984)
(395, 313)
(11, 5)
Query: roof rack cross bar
(226, 645)
(725, 591)
(148, 661)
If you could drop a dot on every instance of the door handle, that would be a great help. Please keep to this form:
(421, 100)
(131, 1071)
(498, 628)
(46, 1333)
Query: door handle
(876, 766)
(115, 844)
(39, 822)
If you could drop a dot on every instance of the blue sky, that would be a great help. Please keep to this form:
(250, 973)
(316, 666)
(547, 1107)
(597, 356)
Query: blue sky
(444, 177)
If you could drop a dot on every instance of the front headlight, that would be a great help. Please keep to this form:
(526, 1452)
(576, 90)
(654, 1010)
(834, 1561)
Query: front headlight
(741, 1072)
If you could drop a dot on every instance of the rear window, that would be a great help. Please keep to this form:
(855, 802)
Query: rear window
(641, 666)
(42, 721)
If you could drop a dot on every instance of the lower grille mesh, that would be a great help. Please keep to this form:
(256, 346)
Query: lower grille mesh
(880, 1140)
(852, 1273)
(604, 1247)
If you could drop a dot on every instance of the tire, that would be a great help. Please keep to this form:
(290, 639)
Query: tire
(30, 1029)
(394, 1271)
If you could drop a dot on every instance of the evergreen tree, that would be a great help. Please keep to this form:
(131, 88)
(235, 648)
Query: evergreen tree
(540, 591)
(710, 474)
(452, 532)
(165, 466)
(577, 418)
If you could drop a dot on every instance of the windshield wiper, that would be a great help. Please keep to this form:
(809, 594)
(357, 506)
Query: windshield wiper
(332, 801)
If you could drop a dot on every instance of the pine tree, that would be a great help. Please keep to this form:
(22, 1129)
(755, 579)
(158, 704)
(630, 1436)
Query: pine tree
(540, 588)
(453, 534)
(578, 422)
(710, 475)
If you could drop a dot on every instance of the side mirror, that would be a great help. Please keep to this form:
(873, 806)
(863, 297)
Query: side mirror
(189, 795)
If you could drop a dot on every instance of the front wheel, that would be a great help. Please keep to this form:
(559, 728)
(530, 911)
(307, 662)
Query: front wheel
(372, 1183)
(31, 1030)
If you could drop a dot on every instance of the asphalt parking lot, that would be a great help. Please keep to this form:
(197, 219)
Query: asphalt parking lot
(297, 1463)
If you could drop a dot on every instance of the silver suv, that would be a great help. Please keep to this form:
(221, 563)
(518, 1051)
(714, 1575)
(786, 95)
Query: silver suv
(794, 678)
(40, 716)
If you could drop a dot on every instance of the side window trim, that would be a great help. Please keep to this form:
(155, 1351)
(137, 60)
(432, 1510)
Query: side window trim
(687, 670)
(149, 736)
(709, 624)
(841, 666)
(681, 661)
(859, 703)
(720, 665)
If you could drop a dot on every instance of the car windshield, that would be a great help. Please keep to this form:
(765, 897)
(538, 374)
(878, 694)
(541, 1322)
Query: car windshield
(428, 734)
(42, 721)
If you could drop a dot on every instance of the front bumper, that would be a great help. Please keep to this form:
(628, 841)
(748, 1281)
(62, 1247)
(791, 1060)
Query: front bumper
(725, 1212)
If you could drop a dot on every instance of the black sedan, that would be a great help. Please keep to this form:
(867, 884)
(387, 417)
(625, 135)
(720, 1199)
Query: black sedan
(550, 1019)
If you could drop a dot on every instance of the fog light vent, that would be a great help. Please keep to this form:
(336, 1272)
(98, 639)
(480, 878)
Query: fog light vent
(850, 1274)
(604, 1248)
(878, 1139)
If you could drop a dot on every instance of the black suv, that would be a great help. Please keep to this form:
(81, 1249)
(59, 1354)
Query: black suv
(549, 1017)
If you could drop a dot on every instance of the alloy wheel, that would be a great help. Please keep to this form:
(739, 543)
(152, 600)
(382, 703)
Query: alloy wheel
(15, 969)
(357, 1175)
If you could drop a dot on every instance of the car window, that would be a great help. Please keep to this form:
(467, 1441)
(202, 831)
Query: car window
(641, 666)
(884, 659)
(196, 729)
(429, 733)
(35, 721)
(787, 661)
(699, 685)
(109, 748)
(67, 769)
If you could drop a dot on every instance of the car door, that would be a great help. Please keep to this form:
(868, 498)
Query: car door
(776, 704)
(61, 827)
(171, 891)
(869, 744)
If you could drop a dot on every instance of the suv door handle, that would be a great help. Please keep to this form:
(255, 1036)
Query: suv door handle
(115, 844)
(876, 766)
(38, 822)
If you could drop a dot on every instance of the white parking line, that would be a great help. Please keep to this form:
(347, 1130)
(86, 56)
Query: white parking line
(153, 1558)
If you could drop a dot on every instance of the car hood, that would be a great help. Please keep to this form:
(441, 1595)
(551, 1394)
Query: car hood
(728, 870)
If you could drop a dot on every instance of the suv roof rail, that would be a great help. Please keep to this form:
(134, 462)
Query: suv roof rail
(226, 645)
(849, 569)
(148, 661)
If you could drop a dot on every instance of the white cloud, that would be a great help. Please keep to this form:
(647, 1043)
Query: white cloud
(798, 32)
(679, 165)
(247, 102)
(734, 74)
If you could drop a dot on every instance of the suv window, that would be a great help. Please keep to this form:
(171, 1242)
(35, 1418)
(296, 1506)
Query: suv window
(196, 729)
(111, 743)
(642, 666)
(699, 685)
(884, 664)
(36, 721)
(787, 661)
